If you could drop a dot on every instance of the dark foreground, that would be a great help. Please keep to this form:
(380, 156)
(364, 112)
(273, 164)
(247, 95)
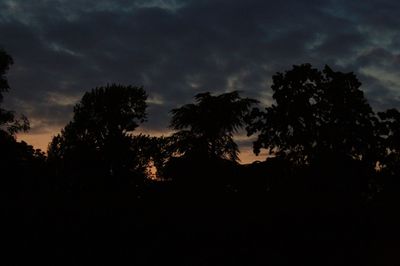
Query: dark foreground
(162, 223)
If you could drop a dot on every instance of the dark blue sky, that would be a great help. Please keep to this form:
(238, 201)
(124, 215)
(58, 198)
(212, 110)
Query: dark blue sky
(176, 49)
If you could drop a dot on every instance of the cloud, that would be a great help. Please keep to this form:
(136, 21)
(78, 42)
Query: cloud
(176, 49)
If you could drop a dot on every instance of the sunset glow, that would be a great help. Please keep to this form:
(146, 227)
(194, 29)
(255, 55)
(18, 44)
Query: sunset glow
(42, 140)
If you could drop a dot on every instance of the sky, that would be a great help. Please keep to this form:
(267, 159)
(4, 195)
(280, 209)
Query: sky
(176, 49)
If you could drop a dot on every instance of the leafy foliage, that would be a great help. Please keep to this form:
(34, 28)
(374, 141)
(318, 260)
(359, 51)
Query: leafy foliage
(316, 113)
(389, 132)
(8, 122)
(101, 129)
(207, 126)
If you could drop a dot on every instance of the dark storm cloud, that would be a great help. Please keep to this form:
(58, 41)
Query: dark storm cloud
(176, 49)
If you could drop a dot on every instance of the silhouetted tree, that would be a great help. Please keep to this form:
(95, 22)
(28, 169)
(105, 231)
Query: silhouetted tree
(21, 166)
(8, 122)
(316, 114)
(389, 158)
(151, 152)
(100, 133)
(206, 127)
(159, 152)
(13, 154)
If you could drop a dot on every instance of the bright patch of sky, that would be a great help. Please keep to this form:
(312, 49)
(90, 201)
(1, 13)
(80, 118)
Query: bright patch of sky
(389, 78)
(171, 5)
(62, 99)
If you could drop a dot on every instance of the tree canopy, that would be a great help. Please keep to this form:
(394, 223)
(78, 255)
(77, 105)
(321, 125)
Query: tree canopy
(207, 126)
(101, 127)
(316, 113)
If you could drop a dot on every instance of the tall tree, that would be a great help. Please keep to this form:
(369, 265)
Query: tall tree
(317, 113)
(21, 166)
(206, 127)
(101, 129)
(11, 150)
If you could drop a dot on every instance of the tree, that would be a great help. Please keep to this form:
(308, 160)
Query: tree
(5, 62)
(22, 167)
(206, 127)
(8, 122)
(317, 114)
(389, 132)
(12, 153)
(100, 132)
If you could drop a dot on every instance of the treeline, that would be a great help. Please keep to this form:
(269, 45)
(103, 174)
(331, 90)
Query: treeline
(333, 161)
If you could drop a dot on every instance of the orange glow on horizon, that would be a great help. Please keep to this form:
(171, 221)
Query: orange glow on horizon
(42, 140)
(247, 156)
(38, 141)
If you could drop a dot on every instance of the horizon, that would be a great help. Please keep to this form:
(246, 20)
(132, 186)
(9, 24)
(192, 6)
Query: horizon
(42, 140)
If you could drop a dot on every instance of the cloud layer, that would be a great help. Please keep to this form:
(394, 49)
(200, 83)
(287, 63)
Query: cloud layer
(176, 49)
